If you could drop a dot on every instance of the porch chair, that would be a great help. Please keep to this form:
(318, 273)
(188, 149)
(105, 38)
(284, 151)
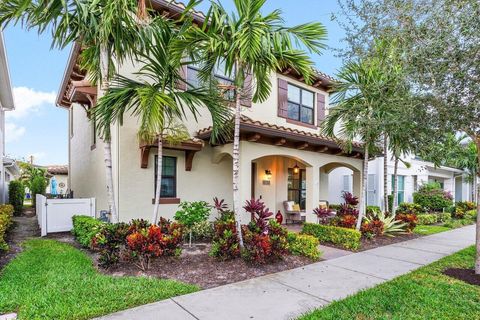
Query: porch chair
(292, 212)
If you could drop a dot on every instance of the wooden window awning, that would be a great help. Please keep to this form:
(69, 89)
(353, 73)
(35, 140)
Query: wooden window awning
(190, 147)
(261, 132)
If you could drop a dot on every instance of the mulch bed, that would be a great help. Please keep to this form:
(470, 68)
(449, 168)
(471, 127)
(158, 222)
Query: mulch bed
(385, 240)
(466, 275)
(197, 267)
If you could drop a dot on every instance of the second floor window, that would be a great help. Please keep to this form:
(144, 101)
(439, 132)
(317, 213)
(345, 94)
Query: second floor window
(300, 104)
(219, 73)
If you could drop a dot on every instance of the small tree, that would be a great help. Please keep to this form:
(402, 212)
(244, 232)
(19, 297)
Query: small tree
(16, 195)
(191, 213)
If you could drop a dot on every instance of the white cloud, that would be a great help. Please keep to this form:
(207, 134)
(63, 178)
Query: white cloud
(29, 100)
(13, 132)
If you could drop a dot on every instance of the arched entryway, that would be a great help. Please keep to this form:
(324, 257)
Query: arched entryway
(337, 178)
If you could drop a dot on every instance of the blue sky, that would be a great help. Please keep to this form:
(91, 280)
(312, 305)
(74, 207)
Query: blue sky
(37, 127)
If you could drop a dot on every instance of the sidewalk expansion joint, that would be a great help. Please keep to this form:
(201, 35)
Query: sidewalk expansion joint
(186, 310)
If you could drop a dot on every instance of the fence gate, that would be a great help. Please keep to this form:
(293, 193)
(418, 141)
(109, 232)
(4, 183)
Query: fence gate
(55, 215)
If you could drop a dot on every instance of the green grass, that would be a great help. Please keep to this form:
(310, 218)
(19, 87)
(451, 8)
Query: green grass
(53, 280)
(423, 294)
(429, 229)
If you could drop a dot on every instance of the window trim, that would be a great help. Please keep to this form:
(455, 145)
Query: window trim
(301, 105)
(214, 74)
(175, 178)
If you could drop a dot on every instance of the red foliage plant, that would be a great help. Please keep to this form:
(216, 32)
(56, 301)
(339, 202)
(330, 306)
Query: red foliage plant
(350, 199)
(259, 213)
(323, 214)
(373, 228)
(410, 219)
(347, 221)
(147, 243)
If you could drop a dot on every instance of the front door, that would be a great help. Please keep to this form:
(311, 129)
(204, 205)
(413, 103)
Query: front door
(297, 187)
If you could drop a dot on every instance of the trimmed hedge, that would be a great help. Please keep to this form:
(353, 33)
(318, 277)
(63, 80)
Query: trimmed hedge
(347, 238)
(85, 228)
(6, 214)
(16, 195)
(303, 245)
(427, 219)
(444, 216)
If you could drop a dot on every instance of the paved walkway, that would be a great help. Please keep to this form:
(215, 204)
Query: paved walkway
(288, 294)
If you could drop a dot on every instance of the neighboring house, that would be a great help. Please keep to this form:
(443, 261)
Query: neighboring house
(8, 167)
(409, 180)
(60, 174)
(283, 156)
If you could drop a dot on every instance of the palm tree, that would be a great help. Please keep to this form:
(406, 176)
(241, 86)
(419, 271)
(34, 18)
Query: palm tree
(106, 29)
(249, 43)
(155, 100)
(365, 100)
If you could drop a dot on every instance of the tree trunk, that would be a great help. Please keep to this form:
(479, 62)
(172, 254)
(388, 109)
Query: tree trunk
(159, 179)
(107, 151)
(395, 186)
(477, 260)
(363, 197)
(236, 167)
(385, 174)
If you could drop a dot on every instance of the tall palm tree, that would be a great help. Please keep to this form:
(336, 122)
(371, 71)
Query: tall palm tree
(249, 43)
(363, 102)
(153, 97)
(108, 30)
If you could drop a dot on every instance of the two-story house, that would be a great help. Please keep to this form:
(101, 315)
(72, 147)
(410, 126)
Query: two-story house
(283, 155)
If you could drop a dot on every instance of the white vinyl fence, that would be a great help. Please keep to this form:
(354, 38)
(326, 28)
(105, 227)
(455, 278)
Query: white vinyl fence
(55, 215)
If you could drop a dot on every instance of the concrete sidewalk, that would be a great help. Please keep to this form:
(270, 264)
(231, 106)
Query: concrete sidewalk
(288, 294)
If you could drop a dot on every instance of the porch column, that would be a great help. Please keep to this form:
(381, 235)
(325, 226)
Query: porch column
(245, 182)
(357, 184)
(313, 184)
(323, 188)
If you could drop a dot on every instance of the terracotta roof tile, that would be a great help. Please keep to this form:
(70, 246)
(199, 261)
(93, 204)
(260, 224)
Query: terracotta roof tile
(57, 169)
(247, 120)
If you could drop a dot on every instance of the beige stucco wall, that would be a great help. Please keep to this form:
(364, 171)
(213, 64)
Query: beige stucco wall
(136, 190)
(86, 166)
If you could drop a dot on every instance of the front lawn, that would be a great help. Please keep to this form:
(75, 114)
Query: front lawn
(53, 280)
(426, 230)
(423, 294)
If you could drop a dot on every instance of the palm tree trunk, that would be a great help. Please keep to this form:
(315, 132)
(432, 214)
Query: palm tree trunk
(236, 167)
(107, 151)
(395, 186)
(159, 179)
(385, 174)
(477, 260)
(363, 197)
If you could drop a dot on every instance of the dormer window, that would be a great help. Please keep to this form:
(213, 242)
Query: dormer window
(300, 104)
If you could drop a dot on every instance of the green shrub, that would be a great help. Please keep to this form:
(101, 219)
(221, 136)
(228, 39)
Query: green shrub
(427, 219)
(444, 216)
(225, 244)
(471, 214)
(431, 197)
(6, 214)
(409, 208)
(462, 207)
(373, 210)
(347, 238)
(85, 228)
(16, 195)
(303, 245)
(109, 242)
(38, 185)
(335, 207)
(202, 230)
(457, 223)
